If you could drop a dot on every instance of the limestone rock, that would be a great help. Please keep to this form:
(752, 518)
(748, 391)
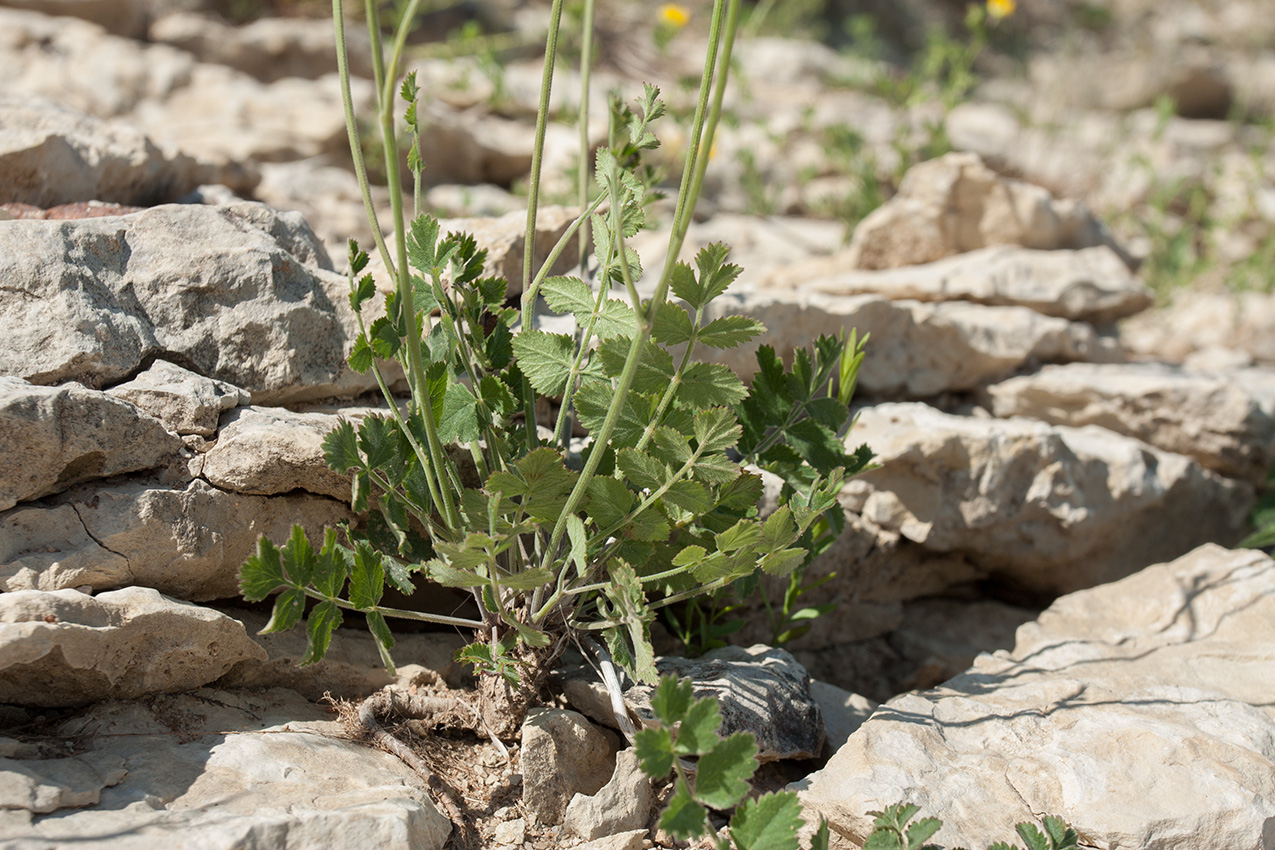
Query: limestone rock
(187, 541)
(54, 437)
(622, 805)
(1206, 417)
(66, 648)
(352, 667)
(632, 840)
(562, 755)
(1045, 509)
(1200, 320)
(126, 18)
(52, 155)
(1139, 712)
(52, 784)
(917, 349)
(1092, 284)
(759, 689)
(267, 49)
(239, 294)
(843, 712)
(955, 204)
(230, 770)
(187, 403)
(269, 450)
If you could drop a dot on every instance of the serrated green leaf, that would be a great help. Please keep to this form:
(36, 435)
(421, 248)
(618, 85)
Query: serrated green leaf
(384, 338)
(572, 295)
(816, 444)
(649, 525)
(698, 732)
(624, 602)
(715, 469)
(744, 534)
(384, 639)
(1002, 845)
(528, 579)
(685, 285)
(742, 492)
(361, 356)
(642, 470)
(330, 567)
(689, 496)
(683, 817)
(730, 331)
(400, 575)
(499, 347)
(770, 822)
(367, 576)
(422, 243)
(672, 445)
(654, 370)
(287, 611)
(654, 749)
(716, 429)
(262, 574)
(545, 359)
(724, 771)
(918, 832)
(324, 618)
(819, 841)
(609, 501)
(378, 437)
(541, 480)
(593, 401)
(578, 537)
(710, 385)
(357, 257)
(458, 421)
(449, 575)
(671, 700)
(1063, 836)
(672, 324)
(715, 274)
(362, 291)
(298, 557)
(496, 395)
(341, 447)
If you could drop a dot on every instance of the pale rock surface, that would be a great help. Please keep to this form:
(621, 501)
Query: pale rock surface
(1206, 417)
(52, 438)
(505, 238)
(126, 18)
(61, 648)
(470, 147)
(758, 689)
(1044, 509)
(186, 402)
(843, 712)
(188, 540)
(352, 667)
(1199, 320)
(267, 49)
(52, 784)
(1140, 712)
(622, 805)
(269, 450)
(633, 840)
(227, 770)
(918, 349)
(954, 204)
(1091, 284)
(240, 294)
(52, 155)
(563, 754)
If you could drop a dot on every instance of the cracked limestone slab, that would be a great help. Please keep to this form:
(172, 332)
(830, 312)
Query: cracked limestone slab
(188, 541)
(1209, 417)
(54, 437)
(1141, 712)
(65, 648)
(185, 401)
(1039, 508)
(239, 293)
(229, 770)
(1092, 284)
(918, 349)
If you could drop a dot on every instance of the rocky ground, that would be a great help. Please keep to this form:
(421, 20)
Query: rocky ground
(1070, 386)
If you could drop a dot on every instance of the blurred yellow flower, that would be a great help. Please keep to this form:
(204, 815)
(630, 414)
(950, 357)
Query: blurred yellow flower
(998, 9)
(671, 14)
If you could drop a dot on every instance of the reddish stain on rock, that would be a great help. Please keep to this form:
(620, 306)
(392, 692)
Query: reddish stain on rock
(66, 212)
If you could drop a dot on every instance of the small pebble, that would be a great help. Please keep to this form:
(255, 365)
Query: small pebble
(511, 832)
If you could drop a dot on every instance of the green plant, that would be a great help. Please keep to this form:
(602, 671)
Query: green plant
(460, 487)
(688, 728)
(1263, 518)
(892, 831)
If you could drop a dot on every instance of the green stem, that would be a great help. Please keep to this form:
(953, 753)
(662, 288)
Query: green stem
(402, 614)
(586, 70)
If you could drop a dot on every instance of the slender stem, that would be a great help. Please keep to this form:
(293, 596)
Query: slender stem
(537, 152)
(586, 70)
(352, 130)
(402, 614)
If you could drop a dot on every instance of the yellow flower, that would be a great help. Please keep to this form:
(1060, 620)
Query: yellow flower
(998, 9)
(671, 14)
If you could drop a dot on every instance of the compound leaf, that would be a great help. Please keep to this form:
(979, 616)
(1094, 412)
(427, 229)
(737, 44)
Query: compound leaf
(770, 822)
(724, 771)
